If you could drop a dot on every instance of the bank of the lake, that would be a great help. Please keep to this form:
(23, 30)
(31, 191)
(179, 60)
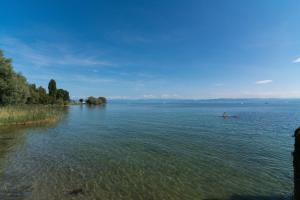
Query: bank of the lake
(30, 114)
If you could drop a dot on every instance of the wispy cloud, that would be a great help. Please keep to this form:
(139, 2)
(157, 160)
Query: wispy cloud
(84, 61)
(72, 78)
(263, 82)
(297, 60)
(219, 84)
(90, 80)
(41, 54)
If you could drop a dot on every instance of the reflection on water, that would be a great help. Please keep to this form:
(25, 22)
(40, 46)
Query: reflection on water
(8, 139)
(153, 151)
(13, 140)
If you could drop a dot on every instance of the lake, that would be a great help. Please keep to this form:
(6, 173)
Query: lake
(154, 150)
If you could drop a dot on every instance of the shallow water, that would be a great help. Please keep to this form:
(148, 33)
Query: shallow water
(154, 151)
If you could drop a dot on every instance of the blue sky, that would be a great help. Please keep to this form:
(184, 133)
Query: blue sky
(157, 49)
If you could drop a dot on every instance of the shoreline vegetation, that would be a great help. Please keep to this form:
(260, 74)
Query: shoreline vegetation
(22, 103)
(30, 114)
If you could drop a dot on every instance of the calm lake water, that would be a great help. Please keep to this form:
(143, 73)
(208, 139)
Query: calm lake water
(179, 150)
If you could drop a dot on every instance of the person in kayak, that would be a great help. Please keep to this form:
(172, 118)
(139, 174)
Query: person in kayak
(225, 115)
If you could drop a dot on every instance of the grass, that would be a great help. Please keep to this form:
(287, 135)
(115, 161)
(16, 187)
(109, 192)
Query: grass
(29, 114)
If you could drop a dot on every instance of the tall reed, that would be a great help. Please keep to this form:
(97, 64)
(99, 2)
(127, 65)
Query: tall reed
(30, 114)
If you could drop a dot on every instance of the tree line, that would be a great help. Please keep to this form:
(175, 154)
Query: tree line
(15, 90)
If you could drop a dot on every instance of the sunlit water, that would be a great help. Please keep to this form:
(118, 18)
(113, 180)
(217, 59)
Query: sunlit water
(154, 151)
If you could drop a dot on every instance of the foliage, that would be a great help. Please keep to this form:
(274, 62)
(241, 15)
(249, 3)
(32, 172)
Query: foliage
(52, 88)
(103, 99)
(34, 95)
(96, 101)
(63, 94)
(13, 86)
(14, 89)
(43, 96)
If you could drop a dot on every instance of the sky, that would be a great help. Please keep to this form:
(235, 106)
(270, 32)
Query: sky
(157, 49)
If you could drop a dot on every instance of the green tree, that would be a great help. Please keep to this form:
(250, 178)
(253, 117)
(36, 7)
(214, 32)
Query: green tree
(66, 96)
(18, 90)
(43, 96)
(13, 87)
(34, 95)
(103, 100)
(96, 101)
(6, 74)
(59, 94)
(52, 88)
(63, 95)
(52, 91)
(91, 100)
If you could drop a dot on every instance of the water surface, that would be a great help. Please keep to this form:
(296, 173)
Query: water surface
(178, 150)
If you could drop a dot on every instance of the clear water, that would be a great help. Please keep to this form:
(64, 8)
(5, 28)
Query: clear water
(154, 151)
